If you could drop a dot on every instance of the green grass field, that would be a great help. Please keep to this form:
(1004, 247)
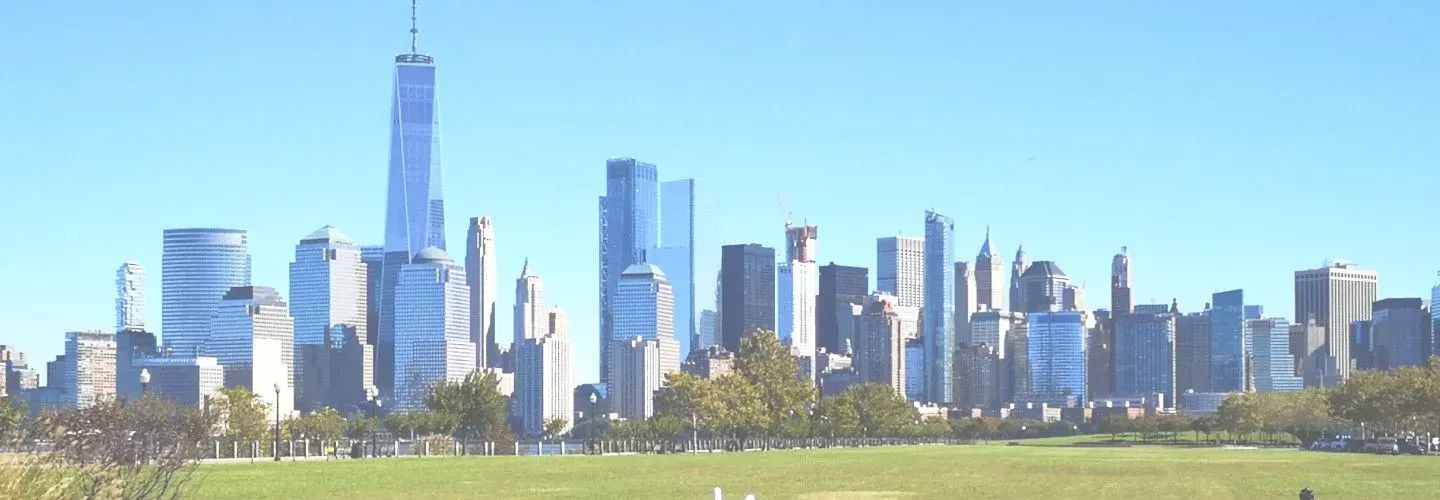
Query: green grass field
(1038, 469)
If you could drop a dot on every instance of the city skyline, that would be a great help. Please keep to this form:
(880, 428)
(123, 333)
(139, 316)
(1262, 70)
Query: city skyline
(1170, 261)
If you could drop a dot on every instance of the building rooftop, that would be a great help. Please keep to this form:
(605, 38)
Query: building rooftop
(328, 234)
(432, 255)
(643, 269)
(1043, 268)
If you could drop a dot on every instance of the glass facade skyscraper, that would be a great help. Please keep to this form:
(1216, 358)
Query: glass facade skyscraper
(432, 327)
(1056, 355)
(329, 301)
(1268, 341)
(676, 257)
(939, 312)
(747, 292)
(197, 268)
(414, 206)
(628, 228)
(253, 339)
(130, 297)
(1145, 355)
(842, 288)
(1227, 341)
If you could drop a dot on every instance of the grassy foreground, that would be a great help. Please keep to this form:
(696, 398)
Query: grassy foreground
(990, 471)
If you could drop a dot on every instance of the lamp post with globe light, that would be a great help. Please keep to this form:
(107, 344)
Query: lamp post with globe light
(373, 395)
(144, 381)
(277, 422)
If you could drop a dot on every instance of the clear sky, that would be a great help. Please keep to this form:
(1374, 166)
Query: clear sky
(1228, 144)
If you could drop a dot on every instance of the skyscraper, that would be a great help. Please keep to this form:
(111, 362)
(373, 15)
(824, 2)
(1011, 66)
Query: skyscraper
(1145, 355)
(634, 377)
(964, 301)
(747, 289)
(131, 345)
(482, 275)
(799, 283)
(628, 228)
(644, 308)
(432, 331)
(373, 256)
(1435, 317)
(880, 348)
(1043, 287)
(328, 298)
(198, 267)
(842, 288)
(675, 254)
(939, 312)
(977, 370)
(130, 297)
(1192, 352)
(1227, 342)
(1307, 346)
(543, 378)
(253, 338)
(1120, 303)
(1056, 355)
(1017, 269)
(989, 277)
(992, 328)
(1335, 295)
(89, 365)
(915, 369)
(900, 269)
(186, 380)
(1402, 333)
(1268, 342)
(414, 204)
(531, 316)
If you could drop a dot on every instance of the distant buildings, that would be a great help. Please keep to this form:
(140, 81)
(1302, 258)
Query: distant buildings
(1268, 342)
(977, 376)
(799, 283)
(644, 307)
(329, 302)
(1402, 333)
(1017, 270)
(964, 301)
(531, 315)
(89, 369)
(432, 327)
(1120, 302)
(1227, 342)
(253, 339)
(880, 348)
(186, 380)
(543, 380)
(130, 297)
(914, 370)
(1335, 296)
(629, 225)
(842, 289)
(1192, 352)
(939, 309)
(989, 278)
(131, 345)
(634, 377)
(747, 292)
(1145, 354)
(900, 269)
(198, 267)
(1043, 287)
(1056, 348)
(708, 363)
(482, 275)
(675, 255)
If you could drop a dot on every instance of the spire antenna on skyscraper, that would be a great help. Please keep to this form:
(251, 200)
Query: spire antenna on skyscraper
(414, 32)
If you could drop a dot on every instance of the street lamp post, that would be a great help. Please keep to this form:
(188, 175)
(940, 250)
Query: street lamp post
(374, 396)
(277, 422)
(594, 398)
(144, 382)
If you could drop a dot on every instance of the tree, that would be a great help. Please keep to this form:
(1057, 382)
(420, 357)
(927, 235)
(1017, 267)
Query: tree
(768, 366)
(870, 410)
(361, 427)
(1115, 425)
(324, 425)
(554, 428)
(742, 413)
(474, 404)
(12, 419)
(1205, 424)
(241, 413)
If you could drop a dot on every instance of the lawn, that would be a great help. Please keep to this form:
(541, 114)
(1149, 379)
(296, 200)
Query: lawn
(1037, 470)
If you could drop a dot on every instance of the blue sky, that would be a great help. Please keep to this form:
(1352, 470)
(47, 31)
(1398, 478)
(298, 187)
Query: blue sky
(1226, 143)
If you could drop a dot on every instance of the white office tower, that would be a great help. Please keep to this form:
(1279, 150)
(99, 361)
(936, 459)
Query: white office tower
(482, 274)
(253, 337)
(799, 283)
(329, 300)
(89, 366)
(900, 269)
(1336, 296)
(432, 327)
(130, 297)
(645, 308)
(544, 387)
(634, 377)
(531, 316)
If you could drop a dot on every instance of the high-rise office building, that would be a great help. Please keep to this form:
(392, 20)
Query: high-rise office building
(965, 298)
(1120, 302)
(130, 297)
(914, 369)
(543, 377)
(1362, 345)
(1043, 288)
(89, 369)
(634, 377)
(531, 315)
(989, 278)
(482, 274)
(747, 289)
(880, 347)
(1056, 353)
(992, 328)
(432, 327)
(676, 256)
(186, 380)
(842, 288)
(629, 226)
(1227, 342)
(131, 345)
(1145, 355)
(1100, 357)
(900, 269)
(977, 370)
(328, 297)
(1307, 346)
(197, 268)
(1402, 333)
(1435, 317)
(1017, 269)
(1267, 342)
(414, 201)
(939, 311)
(373, 256)
(1192, 352)
(798, 283)
(644, 308)
(253, 339)
(1335, 295)
(707, 329)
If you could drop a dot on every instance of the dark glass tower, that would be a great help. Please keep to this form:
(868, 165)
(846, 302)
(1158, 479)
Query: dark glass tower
(747, 292)
(841, 287)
